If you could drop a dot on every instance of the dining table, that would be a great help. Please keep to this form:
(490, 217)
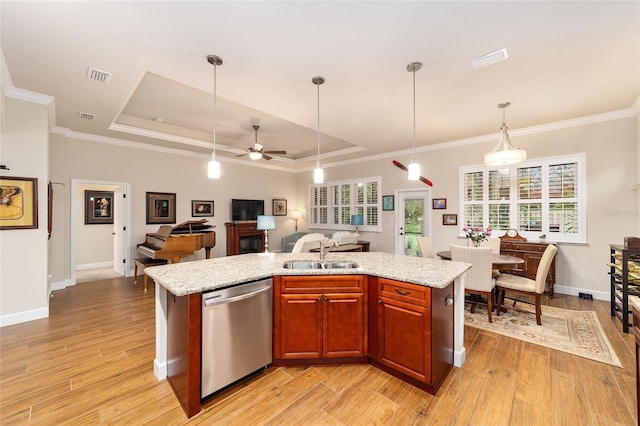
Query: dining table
(499, 261)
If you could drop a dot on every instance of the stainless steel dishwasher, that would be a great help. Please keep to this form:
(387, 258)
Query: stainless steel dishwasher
(236, 333)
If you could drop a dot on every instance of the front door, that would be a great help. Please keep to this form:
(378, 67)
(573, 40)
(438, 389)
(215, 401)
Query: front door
(412, 220)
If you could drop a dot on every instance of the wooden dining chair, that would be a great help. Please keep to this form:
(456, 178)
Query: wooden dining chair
(426, 248)
(478, 279)
(528, 286)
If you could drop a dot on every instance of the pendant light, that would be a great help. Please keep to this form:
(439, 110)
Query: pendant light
(414, 168)
(318, 173)
(213, 169)
(504, 153)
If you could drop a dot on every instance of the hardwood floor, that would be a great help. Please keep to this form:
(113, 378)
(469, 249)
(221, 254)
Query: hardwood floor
(91, 362)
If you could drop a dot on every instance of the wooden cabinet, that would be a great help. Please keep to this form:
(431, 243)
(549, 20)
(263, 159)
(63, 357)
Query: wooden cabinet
(319, 317)
(624, 272)
(531, 253)
(244, 237)
(184, 319)
(414, 332)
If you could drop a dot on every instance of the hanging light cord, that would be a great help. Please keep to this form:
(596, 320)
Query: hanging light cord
(215, 96)
(318, 86)
(413, 157)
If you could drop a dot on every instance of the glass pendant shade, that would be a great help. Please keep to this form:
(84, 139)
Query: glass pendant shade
(213, 170)
(255, 155)
(318, 175)
(413, 171)
(504, 153)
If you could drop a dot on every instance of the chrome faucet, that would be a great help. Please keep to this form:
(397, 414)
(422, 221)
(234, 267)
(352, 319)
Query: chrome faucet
(325, 247)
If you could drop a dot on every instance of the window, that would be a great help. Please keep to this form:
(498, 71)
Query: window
(544, 196)
(331, 204)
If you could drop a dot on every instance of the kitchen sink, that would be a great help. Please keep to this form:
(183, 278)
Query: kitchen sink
(315, 264)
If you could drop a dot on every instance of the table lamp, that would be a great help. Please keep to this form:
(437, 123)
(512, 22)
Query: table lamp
(266, 223)
(357, 219)
(296, 215)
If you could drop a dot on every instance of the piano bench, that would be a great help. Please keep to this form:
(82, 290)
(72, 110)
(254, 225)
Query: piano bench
(144, 262)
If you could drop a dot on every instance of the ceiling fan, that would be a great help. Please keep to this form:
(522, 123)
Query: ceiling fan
(257, 151)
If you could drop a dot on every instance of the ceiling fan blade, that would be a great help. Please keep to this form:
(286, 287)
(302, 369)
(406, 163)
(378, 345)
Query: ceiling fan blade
(276, 152)
(241, 155)
(266, 157)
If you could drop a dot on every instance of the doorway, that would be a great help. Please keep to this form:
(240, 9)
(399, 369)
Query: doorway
(99, 251)
(413, 220)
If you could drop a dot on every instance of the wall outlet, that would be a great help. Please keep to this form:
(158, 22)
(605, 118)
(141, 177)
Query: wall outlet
(585, 296)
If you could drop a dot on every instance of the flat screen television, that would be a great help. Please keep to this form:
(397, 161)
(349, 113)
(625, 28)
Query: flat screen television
(246, 209)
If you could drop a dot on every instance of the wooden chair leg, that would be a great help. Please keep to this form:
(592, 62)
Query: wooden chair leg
(473, 308)
(490, 306)
(538, 310)
(135, 273)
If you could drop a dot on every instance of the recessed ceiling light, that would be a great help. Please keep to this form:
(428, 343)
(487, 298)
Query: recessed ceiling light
(490, 58)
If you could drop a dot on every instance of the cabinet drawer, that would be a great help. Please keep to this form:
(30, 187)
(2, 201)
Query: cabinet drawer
(538, 248)
(322, 283)
(410, 293)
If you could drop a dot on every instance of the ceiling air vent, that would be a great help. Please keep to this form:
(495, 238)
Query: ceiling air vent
(490, 58)
(98, 75)
(86, 116)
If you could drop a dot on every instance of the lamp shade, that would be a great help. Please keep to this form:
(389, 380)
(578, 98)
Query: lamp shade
(357, 219)
(266, 223)
(296, 214)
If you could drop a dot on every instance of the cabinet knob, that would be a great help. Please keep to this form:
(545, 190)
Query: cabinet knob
(379, 302)
(326, 298)
(448, 301)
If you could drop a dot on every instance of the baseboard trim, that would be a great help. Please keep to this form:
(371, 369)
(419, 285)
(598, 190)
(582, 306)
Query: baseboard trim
(573, 291)
(94, 265)
(60, 285)
(459, 357)
(159, 369)
(25, 316)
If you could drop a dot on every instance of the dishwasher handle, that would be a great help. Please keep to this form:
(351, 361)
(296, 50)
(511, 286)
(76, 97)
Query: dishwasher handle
(212, 302)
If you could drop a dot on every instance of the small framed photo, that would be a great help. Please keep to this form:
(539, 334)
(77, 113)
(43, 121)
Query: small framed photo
(19, 205)
(387, 203)
(161, 207)
(98, 207)
(449, 219)
(439, 203)
(279, 207)
(201, 208)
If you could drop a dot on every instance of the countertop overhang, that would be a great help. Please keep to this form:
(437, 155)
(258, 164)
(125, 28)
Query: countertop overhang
(210, 274)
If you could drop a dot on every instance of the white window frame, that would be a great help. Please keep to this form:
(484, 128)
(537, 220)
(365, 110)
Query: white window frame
(578, 237)
(353, 204)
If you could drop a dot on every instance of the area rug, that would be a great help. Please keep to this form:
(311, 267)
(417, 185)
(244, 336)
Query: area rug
(575, 332)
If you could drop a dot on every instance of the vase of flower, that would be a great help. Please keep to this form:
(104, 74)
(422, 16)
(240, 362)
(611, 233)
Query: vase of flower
(477, 234)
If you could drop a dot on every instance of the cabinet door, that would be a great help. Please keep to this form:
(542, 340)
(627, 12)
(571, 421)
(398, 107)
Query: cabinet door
(300, 332)
(404, 338)
(343, 328)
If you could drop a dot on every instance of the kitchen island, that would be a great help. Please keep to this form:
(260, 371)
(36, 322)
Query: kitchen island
(441, 279)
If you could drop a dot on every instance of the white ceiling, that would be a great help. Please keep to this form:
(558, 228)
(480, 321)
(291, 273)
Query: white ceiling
(568, 60)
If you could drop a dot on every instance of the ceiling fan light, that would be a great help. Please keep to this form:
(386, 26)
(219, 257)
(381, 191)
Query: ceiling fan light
(213, 168)
(255, 155)
(413, 171)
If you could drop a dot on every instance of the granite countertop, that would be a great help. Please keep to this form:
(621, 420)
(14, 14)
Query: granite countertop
(210, 274)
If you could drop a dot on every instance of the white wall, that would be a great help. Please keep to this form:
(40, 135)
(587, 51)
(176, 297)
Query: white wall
(611, 149)
(23, 252)
(94, 242)
(151, 171)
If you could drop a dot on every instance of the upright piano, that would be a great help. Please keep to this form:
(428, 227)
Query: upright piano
(174, 243)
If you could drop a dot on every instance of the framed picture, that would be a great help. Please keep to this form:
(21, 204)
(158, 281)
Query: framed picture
(387, 202)
(161, 207)
(279, 207)
(98, 207)
(19, 203)
(439, 203)
(201, 208)
(449, 219)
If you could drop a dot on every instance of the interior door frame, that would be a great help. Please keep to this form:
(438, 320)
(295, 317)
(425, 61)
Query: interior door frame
(73, 218)
(400, 194)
